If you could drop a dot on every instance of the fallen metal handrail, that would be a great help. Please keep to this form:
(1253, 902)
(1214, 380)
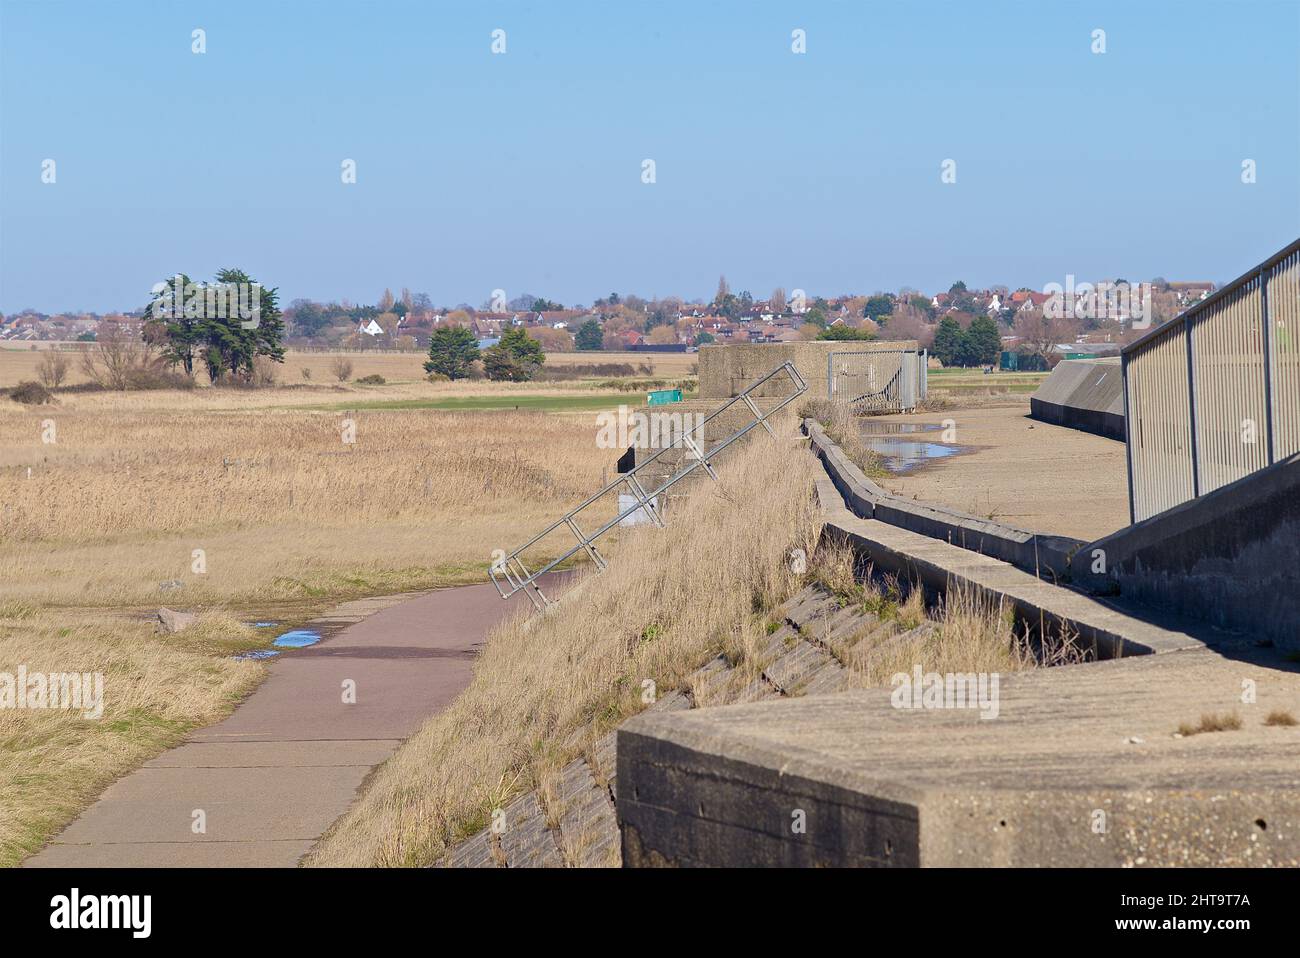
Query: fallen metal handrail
(509, 573)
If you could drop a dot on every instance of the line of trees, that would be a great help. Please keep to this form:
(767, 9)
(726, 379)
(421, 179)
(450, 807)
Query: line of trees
(228, 346)
(977, 345)
(453, 351)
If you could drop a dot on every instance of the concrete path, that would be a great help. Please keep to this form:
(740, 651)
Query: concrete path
(274, 775)
(1020, 471)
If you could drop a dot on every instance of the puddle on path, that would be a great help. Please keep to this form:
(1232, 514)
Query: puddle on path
(297, 639)
(293, 639)
(904, 455)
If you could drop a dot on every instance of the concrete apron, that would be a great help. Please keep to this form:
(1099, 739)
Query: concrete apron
(273, 776)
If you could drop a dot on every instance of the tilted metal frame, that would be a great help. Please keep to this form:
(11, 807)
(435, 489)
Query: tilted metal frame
(510, 574)
(1191, 385)
(913, 371)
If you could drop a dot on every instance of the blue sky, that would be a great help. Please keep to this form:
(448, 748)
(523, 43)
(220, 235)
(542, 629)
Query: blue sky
(522, 171)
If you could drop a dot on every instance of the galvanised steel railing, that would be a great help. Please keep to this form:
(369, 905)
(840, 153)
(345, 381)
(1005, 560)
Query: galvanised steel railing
(509, 573)
(1214, 395)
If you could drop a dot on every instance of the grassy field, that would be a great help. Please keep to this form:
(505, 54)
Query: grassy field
(287, 518)
(546, 402)
(19, 363)
(972, 382)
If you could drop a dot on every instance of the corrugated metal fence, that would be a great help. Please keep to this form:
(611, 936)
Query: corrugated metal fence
(1214, 395)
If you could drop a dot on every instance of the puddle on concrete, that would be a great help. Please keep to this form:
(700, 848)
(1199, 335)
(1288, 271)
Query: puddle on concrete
(904, 455)
(296, 639)
(258, 654)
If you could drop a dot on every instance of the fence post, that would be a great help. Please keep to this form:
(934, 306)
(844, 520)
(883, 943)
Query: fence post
(1128, 440)
(1191, 409)
(1268, 362)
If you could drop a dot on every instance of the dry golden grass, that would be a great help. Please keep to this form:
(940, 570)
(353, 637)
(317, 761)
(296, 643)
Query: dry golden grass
(845, 429)
(1227, 722)
(1280, 717)
(548, 686)
(155, 688)
(963, 633)
(281, 506)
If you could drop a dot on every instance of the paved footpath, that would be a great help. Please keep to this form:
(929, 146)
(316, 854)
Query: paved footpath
(288, 761)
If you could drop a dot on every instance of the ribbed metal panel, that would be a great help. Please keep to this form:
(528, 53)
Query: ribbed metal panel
(1228, 376)
(1284, 347)
(1159, 429)
(1215, 395)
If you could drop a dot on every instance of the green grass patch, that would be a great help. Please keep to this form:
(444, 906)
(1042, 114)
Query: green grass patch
(483, 403)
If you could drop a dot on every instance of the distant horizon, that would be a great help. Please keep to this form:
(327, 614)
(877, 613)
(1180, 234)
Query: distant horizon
(706, 300)
(1106, 140)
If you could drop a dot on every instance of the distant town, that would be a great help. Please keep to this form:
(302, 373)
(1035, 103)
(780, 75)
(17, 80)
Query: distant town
(1017, 329)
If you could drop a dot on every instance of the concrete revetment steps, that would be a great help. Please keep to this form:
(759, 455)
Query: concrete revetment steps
(804, 655)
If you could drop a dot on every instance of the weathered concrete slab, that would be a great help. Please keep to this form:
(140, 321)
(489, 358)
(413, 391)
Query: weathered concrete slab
(1230, 557)
(251, 854)
(475, 852)
(1043, 554)
(588, 828)
(791, 671)
(1080, 767)
(526, 842)
(725, 370)
(313, 754)
(238, 804)
(940, 566)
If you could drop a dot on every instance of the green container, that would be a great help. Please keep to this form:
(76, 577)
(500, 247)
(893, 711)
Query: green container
(661, 397)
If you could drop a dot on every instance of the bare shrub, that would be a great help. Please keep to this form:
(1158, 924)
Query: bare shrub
(52, 369)
(118, 360)
(265, 371)
(341, 367)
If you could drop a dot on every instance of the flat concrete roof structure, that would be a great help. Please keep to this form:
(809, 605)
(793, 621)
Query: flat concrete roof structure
(1085, 394)
(1082, 766)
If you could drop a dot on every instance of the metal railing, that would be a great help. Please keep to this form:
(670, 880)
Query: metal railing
(1214, 395)
(878, 380)
(509, 573)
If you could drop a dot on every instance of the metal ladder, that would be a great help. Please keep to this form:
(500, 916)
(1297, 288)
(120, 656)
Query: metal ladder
(510, 575)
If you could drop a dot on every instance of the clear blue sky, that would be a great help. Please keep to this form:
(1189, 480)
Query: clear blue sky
(523, 171)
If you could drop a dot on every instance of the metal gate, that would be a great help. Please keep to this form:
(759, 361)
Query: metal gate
(894, 380)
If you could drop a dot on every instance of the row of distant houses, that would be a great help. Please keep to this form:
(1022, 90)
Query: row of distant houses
(759, 322)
